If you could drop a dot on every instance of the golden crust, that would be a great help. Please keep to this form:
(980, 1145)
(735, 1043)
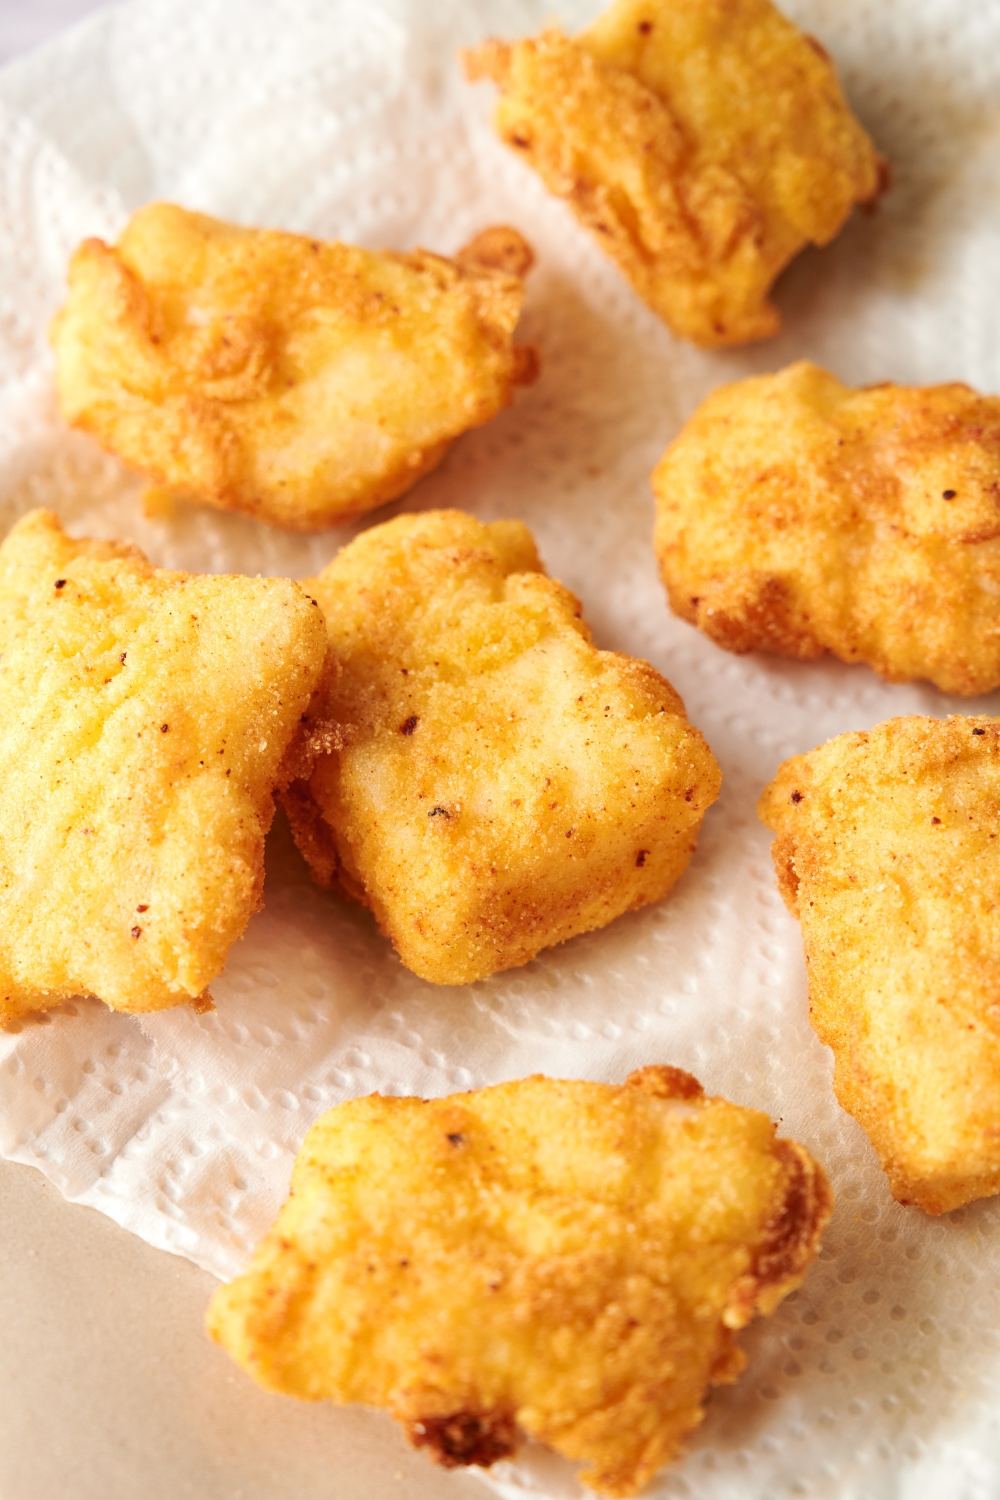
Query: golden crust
(887, 852)
(145, 715)
(704, 142)
(300, 381)
(563, 1259)
(798, 516)
(499, 784)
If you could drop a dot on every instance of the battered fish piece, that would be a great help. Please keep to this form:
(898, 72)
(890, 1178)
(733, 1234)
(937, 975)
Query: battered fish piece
(562, 1259)
(494, 783)
(798, 516)
(144, 716)
(887, 852)
(703, 142)
(300, 381)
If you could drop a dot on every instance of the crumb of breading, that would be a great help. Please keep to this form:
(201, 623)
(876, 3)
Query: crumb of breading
(799, 516)
(501, 784)
(703, 143)
(560, 1259)
(299, 380)
(887, 852)
(144, 717)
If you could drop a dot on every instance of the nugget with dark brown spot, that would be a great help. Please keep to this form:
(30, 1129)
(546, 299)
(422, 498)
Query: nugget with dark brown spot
(559, 1259)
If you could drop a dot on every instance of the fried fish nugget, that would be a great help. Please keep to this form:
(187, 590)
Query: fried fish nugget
(887, 852)
(495, 784)
(798, 516)
(568, 1259)
(300, 381)
(704, 142)
(144, 716)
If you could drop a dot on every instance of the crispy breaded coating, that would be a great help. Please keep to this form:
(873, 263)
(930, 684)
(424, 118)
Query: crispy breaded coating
(799, 516)
(568, 1260)
(888, 852)
(300, 381)
(704, 142)
(494, 783)
(144, 716)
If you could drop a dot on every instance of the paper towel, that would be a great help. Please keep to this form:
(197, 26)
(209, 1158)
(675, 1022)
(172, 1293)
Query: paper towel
(350, 118)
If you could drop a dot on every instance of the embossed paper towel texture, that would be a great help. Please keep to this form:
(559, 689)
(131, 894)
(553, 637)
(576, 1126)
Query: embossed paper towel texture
(880, 1378)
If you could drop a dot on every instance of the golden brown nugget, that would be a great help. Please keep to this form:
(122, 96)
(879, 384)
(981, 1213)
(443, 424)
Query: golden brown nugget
(560, 1259)
(704, 142)
(300, 381)
(799, 516)
(144, 719)
(888, 852)
(495, 784)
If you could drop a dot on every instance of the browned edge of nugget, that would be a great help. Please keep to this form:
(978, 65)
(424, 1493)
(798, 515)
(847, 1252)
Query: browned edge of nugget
(792, 1235)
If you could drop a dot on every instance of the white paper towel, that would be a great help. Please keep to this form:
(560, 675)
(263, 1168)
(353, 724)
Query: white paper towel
(349, 118)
